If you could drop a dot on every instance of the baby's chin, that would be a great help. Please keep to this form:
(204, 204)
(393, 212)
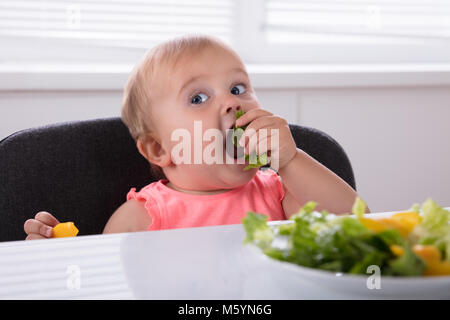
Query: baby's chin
(234, 175)
(221, 176)
(218, 176)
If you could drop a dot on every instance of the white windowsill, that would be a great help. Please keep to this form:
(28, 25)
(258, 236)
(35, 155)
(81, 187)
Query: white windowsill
(112, 77)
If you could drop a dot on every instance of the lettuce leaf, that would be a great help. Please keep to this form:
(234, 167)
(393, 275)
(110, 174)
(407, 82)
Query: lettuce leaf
(257, 230)
(434, 228)
(359, 208)
(435, 220)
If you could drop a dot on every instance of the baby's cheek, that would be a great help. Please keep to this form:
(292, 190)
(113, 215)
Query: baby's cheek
(252, 103)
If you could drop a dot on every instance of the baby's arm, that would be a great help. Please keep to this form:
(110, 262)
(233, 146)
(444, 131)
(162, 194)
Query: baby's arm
(129, 217)
(305, 179)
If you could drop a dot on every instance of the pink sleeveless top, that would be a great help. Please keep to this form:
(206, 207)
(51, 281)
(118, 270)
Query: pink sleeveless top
(172, 209)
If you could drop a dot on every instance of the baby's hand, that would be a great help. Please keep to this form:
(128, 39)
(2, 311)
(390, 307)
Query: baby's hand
(41, 227)
(258, 119)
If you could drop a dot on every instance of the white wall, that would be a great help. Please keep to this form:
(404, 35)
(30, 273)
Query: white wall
(396, 138)
(25, 109)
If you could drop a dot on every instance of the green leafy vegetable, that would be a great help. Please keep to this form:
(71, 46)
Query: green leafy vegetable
(435, 227)
(257, 229)
(408, 264)
(254, 160)
(415, 208)
(306, 212)
(344, 244)
(359, 208)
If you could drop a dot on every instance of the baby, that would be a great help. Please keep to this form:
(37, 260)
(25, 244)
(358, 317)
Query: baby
(193, 86)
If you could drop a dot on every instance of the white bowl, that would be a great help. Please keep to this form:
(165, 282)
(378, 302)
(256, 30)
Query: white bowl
(293, 281)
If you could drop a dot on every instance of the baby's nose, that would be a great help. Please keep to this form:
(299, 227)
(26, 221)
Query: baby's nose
(233, 109)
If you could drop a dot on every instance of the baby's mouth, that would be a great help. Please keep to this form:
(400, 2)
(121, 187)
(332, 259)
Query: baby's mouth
(231, 149)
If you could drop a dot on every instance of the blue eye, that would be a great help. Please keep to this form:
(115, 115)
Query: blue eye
(199, 98)
(239, 89)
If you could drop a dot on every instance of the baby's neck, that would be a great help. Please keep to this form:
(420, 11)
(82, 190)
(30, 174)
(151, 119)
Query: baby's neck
(208, 192)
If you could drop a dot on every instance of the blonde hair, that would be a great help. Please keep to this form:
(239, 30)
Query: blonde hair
(137, 102)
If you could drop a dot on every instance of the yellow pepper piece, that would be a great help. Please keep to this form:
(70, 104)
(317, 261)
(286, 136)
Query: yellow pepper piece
(373, 224)
(432, 257)
(403, 222)
(381, 224)
(392, 223)
(407, 219)
(397, 250)
(437, 268)
(427, 252)
(66, 229)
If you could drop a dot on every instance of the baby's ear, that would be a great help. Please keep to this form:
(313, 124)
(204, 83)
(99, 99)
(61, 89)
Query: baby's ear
(150, 148)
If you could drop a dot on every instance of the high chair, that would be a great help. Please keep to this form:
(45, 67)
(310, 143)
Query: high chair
(81, 171)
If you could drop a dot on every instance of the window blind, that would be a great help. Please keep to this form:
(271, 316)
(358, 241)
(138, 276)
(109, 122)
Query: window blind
(294, 31)
(123, 23)
(290, 21)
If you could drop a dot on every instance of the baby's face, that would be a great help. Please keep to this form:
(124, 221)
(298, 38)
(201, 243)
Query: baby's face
(207, 87)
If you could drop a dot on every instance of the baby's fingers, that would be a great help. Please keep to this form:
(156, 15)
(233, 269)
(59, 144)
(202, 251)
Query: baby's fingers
(251, 115)
(46, 218)
(33, 226)
(34, 236)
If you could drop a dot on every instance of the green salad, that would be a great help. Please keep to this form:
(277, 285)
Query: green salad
(411, 243)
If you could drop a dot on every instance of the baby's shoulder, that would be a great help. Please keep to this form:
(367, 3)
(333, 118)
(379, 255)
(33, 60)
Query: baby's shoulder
(146, 192)
(131, 216)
